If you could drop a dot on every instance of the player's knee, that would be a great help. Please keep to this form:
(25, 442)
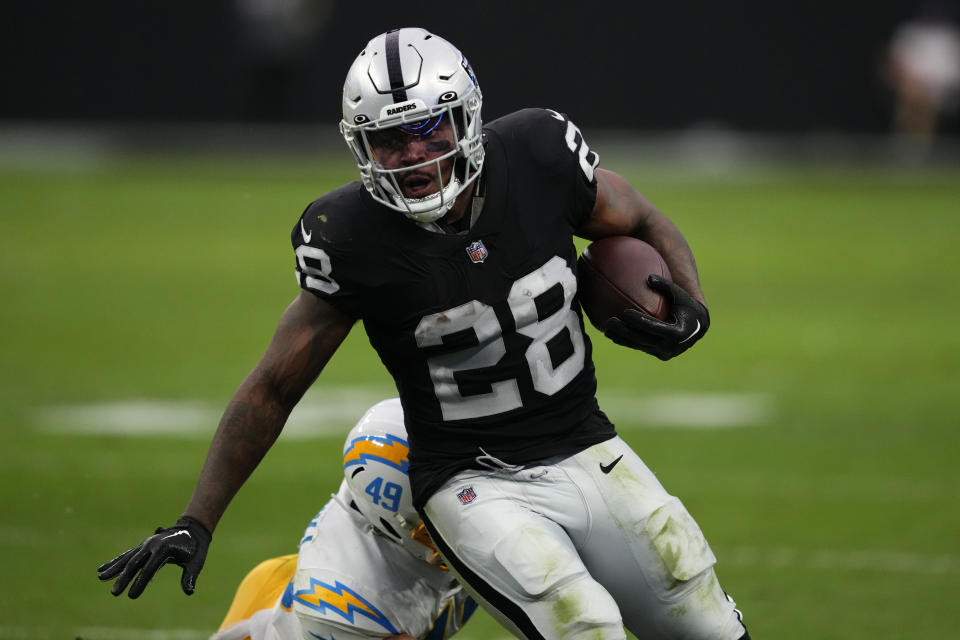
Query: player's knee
(561, 596)
(679, 542)
(584, 609)
(536, 561)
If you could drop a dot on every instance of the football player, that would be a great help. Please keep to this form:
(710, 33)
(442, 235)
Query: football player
(365, 569)
(455, 249)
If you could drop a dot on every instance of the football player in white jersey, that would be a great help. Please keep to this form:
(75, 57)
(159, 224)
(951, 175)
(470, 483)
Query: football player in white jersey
(455, 248)
(365, 568)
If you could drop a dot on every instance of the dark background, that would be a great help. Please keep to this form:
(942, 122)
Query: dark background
(751, 66)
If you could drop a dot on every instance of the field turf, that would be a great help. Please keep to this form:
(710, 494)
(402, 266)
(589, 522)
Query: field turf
(834, 300)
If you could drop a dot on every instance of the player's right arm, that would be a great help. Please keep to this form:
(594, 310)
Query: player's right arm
(308, 334)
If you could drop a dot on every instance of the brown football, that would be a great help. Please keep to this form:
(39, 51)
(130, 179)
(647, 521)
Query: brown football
(612, 276)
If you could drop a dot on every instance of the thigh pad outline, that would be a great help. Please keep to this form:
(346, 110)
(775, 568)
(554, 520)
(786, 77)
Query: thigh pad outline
(678, 541)
(537, 561)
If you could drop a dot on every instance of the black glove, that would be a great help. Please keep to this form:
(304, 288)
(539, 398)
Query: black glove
(689, 320)
(183, 544)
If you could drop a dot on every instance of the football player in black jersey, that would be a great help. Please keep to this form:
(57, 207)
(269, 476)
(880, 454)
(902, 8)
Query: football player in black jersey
(455, 250)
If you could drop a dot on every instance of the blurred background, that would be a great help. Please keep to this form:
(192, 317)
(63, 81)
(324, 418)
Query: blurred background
(753, 68)
(154, 157)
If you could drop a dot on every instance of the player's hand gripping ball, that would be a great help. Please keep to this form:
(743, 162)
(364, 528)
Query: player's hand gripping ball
(612, 277)
(626, 292)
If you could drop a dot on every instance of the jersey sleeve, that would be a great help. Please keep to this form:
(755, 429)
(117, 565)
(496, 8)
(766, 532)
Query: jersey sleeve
(557, 145)
(325, 264)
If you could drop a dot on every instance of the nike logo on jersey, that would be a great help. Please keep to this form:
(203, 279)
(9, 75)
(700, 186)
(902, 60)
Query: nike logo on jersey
(607, 468)
(182, 532)
(303, 230)
(695, 332)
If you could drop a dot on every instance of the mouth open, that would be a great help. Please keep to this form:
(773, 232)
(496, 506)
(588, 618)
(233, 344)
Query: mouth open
(418, 185)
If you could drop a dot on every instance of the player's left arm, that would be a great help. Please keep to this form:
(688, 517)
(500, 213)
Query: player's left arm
(620, 209)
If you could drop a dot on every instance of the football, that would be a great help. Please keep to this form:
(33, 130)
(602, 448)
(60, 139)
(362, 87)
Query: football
(612, 276)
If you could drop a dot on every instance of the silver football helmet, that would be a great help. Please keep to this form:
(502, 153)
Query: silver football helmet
(411, 79)
(375, 465)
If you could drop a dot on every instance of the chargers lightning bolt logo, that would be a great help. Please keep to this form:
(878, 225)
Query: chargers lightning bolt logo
(389, 450)
(341, 600)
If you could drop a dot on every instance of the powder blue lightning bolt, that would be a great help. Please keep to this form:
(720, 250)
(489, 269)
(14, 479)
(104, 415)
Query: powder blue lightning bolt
(341, 600)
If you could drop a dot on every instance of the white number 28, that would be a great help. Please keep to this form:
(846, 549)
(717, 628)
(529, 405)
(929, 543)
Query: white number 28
(476, 323)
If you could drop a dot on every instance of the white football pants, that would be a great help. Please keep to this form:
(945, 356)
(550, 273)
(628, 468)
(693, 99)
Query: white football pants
(580, 548)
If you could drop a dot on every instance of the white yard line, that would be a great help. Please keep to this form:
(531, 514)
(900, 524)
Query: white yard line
(323, 413)
(332, 411)
(688, 410)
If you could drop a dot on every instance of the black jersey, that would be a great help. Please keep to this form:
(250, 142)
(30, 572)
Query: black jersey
(481, 330)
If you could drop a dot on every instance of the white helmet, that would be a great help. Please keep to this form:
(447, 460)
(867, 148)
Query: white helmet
(375, 465)
(412, 79)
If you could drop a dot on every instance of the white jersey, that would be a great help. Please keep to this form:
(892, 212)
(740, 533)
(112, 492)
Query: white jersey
(351, 583)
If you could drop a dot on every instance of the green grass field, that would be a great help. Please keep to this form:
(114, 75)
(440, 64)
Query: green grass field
(834, 298)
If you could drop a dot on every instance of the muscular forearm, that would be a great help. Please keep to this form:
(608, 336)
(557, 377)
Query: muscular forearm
(622, 210)
(308, 334)
(663, 235)
(250, 424)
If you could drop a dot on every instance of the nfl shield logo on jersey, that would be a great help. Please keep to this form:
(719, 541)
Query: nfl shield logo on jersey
(477, 252)
(467, 495)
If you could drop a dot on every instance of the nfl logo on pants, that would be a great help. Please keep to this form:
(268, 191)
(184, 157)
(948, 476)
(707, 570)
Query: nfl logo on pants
(466, 496)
